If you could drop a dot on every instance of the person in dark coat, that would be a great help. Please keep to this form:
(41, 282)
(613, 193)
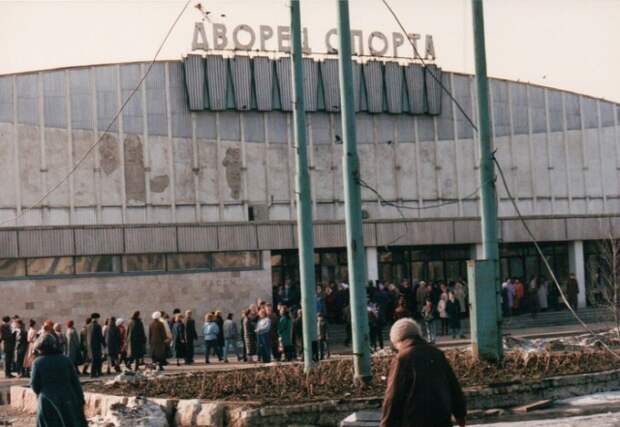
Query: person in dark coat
(158, 341)
(84, 346)
(453, 309)
(220, 336)
(298, 334)
(113, 344)
(21, 347)
(572, 290)
(249, 332)
(7, 339)
(178, 332)
(422, 390)
(136, 340)
(58, 389)
(190, 336)
(94, 342)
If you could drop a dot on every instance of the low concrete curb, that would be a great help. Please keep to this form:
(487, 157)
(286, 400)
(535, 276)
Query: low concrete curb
(196, 413)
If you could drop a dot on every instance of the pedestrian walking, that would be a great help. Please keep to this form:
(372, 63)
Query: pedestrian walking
(94, 344)
(428, 315)
(60, 336)
(453, 310)
(249, 332)
(323, 336)
(86, 361)
(285, 333)
(136, 340)
(210, 332)
(73, 348)
(56, 384)
(180, 343)
(190, 337)
(572, 290)
(7, 339)
(443, 315)
(231, 336)
(32, 338)
(422, 389)
(113, 344)
(263, 336)
(158, 341)
(21, 347)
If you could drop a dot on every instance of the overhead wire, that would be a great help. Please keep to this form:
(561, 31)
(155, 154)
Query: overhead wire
(522, 219)
(24, 211)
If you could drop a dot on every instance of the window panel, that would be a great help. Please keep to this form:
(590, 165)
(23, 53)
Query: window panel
(223, 260)
(49, 266)
(188, 261)
(148, 262)
(97, 264)
(12, 268)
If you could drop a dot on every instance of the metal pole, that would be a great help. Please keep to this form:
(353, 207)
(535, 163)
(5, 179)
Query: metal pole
(304, 207)
(488, 194)
(352, 202)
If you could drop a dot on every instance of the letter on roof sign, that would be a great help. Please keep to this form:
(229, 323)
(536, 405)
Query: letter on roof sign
(238, 43)
(359, 36)
(397, 41)
(328, 40)
(373, 46)
(430, 48)
(220, 40)
(413, 38)
(199, 41)
(266, 32)
(284, 38)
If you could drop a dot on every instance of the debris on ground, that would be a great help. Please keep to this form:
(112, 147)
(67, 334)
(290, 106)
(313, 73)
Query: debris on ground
(137, 412)
(332, 379)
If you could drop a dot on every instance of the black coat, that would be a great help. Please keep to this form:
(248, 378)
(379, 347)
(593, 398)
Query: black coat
(94, 340)
(136, 339)
(113, 340)
(7, 337)
(190, 331)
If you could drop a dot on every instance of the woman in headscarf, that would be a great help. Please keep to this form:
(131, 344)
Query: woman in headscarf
(158, 341)
(58, 389)
(122, 356)
(62, 341)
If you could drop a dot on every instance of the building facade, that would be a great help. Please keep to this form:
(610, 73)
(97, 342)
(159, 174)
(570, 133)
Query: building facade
(188, 198)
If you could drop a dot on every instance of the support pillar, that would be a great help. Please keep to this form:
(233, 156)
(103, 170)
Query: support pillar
(372, 263)
(577, 265)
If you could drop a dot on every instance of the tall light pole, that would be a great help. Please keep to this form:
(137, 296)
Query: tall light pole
(304, 207)
(352, 202)
(484, 280)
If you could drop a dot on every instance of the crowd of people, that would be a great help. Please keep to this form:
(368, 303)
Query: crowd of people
(265, 332)
(538, 294)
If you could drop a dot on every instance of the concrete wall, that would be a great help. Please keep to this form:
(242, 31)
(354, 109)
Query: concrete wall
(163, 163)
(64, 299)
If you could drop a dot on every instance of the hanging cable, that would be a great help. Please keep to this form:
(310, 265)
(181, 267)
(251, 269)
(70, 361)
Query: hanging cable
(107, 129)
(546, 263)
(433, 75)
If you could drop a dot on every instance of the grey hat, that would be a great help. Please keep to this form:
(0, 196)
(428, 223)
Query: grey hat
(404, 329)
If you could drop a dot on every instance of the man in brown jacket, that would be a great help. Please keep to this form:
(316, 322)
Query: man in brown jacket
(422, 390)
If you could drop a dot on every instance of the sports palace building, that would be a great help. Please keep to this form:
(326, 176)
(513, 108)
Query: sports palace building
(189, 200)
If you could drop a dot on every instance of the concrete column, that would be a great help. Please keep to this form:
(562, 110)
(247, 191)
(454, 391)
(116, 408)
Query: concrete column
(372, 263)
(476, 251)
(577, 266)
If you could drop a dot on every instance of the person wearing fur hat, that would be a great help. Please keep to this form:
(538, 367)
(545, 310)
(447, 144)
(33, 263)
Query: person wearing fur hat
(422, 390)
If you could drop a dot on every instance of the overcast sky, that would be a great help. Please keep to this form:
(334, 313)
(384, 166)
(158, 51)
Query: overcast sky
(568, 44)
